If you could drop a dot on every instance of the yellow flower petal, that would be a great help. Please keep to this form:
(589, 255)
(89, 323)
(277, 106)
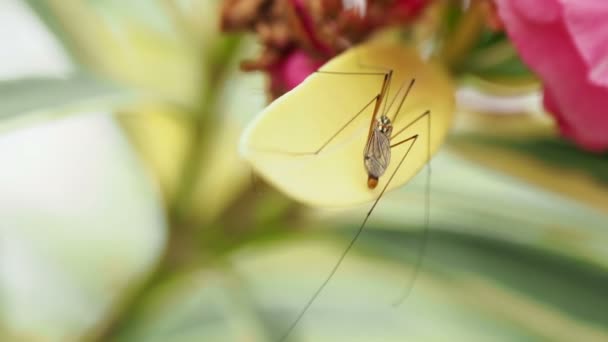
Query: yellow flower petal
(303, 119)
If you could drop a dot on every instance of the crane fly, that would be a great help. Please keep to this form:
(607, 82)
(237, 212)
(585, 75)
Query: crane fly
(385, 137)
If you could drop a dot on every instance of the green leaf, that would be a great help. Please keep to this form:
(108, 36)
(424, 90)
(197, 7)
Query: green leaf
(558, 284)
(125, 42)
(552, 151)
(530, 151)
(505, 259)
(470, 289)
(23, 99)
(471, 199)
(198, 306)
(84, 224)
(44, 12)
(496, 60)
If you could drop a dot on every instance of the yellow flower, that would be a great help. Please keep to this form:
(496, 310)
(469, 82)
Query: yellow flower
(277, 141)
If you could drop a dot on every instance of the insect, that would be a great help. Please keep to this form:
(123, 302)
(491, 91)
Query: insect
(367, 149)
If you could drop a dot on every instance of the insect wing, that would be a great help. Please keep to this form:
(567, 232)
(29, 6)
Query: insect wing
(377, 154)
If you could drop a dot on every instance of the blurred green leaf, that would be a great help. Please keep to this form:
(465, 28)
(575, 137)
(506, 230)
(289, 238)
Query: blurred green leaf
(199, 306)
(531, 150)
(553, 151)
(469, 290)
(82, 224)
(488, 38)
(147, 12)
(43, 10)
(497, 60)
(562, 285)
(472, 47)
(471, 199)
(506, 260)
(21, 98)
(126, 41)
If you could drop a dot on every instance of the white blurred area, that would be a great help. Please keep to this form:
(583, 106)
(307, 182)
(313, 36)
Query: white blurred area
(79, 219)
(27, 49)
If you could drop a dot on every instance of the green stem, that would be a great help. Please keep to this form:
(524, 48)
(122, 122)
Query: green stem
(182, 250)
(462, 39)
(205, 126)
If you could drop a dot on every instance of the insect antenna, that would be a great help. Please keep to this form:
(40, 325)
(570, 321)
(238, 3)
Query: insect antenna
(387, 71)
(409, 87)
(402, 98)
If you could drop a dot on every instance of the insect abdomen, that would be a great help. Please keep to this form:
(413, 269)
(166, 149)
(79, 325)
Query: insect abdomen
(372, 182)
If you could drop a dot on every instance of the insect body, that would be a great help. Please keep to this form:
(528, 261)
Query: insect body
(377, 154)
(318, 161)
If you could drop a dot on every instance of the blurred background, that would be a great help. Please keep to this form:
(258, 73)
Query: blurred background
(126, 213)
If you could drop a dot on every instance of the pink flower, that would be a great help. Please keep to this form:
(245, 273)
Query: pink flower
(301, 35)
(291, 70)
(566, 44)
(348, 22)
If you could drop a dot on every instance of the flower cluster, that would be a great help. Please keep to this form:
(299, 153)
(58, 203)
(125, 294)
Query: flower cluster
(300, 35)
(565, 43)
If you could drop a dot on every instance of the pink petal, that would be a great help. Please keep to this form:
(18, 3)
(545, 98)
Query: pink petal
(587, 22)
(536, 10)
(578, 105)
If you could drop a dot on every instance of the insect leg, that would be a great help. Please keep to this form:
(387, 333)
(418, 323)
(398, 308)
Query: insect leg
(350, 245)
(397, 95)
(388, 76)
(319, 149)
(427, 206)
(388, 72)
(378, 99)
(383, 93)
(426, 114)
(384, 90)
(375, 100)
(403, 98)
(414, 137)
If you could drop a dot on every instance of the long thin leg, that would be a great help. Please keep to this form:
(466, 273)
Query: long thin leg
(381, 96)
(414, 137)
(350, 245)
(409, 285)
(397, 95)
(356, 73)
(378, 99)
(384, 90)
(385, 86)
(426, 113)
(370, 66)
(318, 150)
(388, 72)
(403, 98)
(388, 89)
